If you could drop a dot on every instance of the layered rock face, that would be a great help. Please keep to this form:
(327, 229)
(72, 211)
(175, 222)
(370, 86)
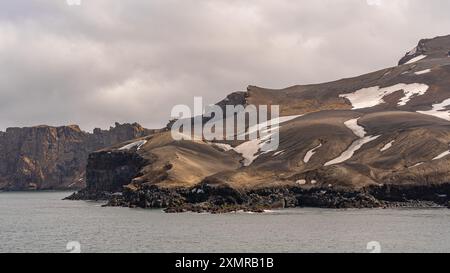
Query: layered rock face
(44, 157)
(380, 139)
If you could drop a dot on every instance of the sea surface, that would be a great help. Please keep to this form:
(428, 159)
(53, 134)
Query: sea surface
(42, 222)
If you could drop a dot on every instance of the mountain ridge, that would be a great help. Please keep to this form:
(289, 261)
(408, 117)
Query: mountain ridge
(375, 140)
(378, 139)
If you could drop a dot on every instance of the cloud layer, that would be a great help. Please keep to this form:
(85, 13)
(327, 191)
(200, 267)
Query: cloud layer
(126, 61)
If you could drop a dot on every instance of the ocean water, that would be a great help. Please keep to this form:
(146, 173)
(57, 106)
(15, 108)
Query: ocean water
(42, 222)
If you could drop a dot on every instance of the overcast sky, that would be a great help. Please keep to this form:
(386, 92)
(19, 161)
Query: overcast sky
(127, 61)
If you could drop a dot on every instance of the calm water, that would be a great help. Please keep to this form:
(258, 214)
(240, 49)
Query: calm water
(41, 222)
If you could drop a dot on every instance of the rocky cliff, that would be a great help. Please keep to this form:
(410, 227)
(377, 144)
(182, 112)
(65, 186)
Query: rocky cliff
(44, 157)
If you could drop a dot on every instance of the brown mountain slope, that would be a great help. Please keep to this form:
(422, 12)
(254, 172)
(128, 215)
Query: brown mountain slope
(433, 70)
(393, 156)
(366, 141)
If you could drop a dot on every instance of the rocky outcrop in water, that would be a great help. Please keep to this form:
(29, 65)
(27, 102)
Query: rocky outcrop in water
(109, 172)
(224, 199)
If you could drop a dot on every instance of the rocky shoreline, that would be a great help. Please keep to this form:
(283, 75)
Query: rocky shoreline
(219, 199)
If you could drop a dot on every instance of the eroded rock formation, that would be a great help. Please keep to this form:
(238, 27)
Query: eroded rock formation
(44, 157)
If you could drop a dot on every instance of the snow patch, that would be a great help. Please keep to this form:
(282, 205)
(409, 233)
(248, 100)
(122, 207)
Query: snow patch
(423, 72)
(417, 165)
(373, 96)
(356, 145)
(416, 59)
(355, 127)
(387, 146)
(310, 153)
(444, 154)
(279, 153)
(250, 149)
(270, 125)
(301, 182)
(439, 110)
(137, 144)
(351, 150)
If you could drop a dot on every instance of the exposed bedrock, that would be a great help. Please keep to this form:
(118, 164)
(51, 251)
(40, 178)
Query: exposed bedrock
(220, 198)
(438, 194)
(49, 158)
(108, 172)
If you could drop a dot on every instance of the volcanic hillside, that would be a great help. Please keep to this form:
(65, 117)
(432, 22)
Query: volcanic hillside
(390, 127)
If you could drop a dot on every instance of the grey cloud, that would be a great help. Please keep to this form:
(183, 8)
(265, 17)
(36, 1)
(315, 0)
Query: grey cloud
(126, 61)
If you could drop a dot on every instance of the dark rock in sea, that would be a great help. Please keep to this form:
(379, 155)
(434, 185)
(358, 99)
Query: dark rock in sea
(109, 171)
(435, 193)
(91, 196)
(219, 199)
(326, 198)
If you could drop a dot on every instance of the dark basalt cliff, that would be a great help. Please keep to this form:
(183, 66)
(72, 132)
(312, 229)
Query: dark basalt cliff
(44, 157)
(109, 172)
